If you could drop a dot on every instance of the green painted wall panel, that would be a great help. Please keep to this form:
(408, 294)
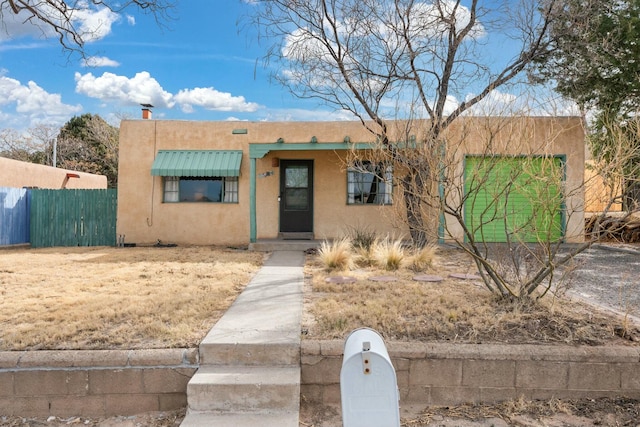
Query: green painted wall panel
(514, 198)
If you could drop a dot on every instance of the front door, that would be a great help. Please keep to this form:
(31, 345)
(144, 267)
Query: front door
(296, 196)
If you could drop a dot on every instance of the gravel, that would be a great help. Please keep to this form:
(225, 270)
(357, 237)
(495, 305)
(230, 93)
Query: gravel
(608, 276)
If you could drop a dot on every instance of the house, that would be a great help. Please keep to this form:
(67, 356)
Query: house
(233, 183)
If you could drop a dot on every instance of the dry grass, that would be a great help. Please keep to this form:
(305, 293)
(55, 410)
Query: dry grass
(105, 298)
(600, 411)
(452, 310)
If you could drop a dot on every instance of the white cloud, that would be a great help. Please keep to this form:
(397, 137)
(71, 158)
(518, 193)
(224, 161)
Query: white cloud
(99, 61)
(140, 89)
(532, 102)
(427, 23)
(211, 99)
(33, 102)
(131, 20)
(144, 89)
(298, 114)
(497, 103)
(91, 23)
(429, 20)
(95, 25)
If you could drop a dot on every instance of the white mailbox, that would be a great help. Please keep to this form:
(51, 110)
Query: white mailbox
(368, 386)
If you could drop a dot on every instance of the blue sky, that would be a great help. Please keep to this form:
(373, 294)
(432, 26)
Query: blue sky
(199, 66)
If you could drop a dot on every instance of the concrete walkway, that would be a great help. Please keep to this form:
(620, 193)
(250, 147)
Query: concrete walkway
(250, 361)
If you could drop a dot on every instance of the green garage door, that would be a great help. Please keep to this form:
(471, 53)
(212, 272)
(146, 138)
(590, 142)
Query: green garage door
(514, 198)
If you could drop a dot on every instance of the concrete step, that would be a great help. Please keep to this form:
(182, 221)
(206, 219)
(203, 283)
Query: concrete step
(239, 389)
(251, 354)
(261, 419)
(283, 245)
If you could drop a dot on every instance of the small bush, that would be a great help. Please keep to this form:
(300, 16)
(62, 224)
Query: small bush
(336, 255)
(389, 255)
(362, 238)
(422, 258)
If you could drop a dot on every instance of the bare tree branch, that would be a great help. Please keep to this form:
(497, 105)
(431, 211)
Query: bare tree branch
(62, 19)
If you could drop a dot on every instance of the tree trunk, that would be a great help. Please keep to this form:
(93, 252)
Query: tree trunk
(631, 195)
(412, 201)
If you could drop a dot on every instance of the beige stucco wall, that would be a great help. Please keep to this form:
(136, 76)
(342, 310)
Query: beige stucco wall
(333, 217)
(16, 174)
(144, 218)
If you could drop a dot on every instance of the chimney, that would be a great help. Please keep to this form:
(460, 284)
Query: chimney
(146, 111)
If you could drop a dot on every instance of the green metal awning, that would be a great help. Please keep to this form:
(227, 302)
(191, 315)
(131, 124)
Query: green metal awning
(197, 163)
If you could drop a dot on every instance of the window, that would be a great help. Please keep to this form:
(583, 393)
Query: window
(369, 183)
(201, 189)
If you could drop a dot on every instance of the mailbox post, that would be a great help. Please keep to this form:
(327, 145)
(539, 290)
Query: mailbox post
(368, 386)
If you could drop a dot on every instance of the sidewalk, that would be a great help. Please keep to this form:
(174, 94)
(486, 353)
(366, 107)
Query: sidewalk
(250, 361)
(269, 310)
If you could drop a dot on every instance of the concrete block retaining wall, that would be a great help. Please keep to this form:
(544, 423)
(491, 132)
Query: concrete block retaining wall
(94, 383)
(449, 374)
(127, 382)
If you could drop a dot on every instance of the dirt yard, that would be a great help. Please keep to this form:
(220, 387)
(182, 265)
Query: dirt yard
(123, 298)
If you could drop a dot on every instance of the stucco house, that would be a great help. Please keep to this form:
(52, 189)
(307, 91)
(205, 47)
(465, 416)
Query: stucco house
(234, 183)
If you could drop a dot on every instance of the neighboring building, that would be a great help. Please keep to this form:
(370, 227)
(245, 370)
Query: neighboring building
(17, 174)
(232, 183)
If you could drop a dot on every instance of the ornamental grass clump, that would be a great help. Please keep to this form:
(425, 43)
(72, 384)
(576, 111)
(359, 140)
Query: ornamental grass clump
(389, 254)
(422, 258)
(337, 254)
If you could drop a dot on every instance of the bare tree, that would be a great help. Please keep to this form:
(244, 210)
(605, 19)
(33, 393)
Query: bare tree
(44, 137)
(62, 18)
(515, 192)
(381, 60)
(34, 146)
(430, 64)
(509, 198)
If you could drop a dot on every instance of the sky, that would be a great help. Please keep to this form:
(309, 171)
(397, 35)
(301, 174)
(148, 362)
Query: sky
(200, 65)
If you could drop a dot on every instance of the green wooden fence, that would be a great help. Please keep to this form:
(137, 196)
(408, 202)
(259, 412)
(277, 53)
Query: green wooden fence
(73, 218)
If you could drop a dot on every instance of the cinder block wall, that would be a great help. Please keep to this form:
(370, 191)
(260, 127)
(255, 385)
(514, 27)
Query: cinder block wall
(94, 383)
(449, 374)
(127, 382)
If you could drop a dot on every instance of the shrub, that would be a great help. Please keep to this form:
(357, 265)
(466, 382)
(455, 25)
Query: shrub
(362, 238)
(337, 254)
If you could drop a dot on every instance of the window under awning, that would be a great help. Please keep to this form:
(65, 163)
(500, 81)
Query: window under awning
(197, 163)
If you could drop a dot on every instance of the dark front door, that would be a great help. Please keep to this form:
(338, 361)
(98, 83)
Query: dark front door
(296, 196)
